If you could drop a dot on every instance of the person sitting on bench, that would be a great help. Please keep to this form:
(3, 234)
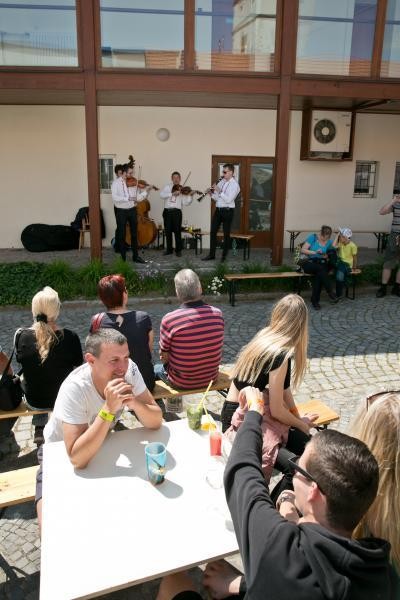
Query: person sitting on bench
(92, 398)
(47, 353)
(266, 363)
(191, 338)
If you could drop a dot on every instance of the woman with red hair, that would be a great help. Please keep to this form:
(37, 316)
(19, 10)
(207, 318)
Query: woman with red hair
(135, 325)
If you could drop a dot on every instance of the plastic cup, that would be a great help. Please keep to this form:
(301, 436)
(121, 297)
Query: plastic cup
(215, 435)
(194, 410)
(156, 458)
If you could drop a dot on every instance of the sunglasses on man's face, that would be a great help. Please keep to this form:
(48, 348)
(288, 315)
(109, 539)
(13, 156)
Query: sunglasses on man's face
(294, 463)
(371, 399)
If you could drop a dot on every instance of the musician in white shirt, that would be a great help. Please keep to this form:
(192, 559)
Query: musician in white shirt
(172, 213)
(224, 194)
(125, 200)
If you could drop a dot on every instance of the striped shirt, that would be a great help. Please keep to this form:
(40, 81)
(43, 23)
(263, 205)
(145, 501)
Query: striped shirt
(193, 336)
(396, 217)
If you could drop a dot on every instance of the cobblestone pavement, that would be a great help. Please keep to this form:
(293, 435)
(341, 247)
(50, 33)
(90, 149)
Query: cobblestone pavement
(354, 349)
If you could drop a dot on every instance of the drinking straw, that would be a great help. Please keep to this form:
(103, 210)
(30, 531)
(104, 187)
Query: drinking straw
(205, 393)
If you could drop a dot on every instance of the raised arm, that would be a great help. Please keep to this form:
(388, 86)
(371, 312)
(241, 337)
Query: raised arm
(388, 208)
(258, 526)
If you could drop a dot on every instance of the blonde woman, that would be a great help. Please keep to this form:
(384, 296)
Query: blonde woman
(266, 363)
(47, 354)
(377, 424)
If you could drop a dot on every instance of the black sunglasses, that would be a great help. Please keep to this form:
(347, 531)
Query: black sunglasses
(371, 399)
(293, 462)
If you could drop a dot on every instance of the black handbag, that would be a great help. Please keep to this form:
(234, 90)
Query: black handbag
(10, 389)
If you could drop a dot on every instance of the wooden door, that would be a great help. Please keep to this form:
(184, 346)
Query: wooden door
(254, 205)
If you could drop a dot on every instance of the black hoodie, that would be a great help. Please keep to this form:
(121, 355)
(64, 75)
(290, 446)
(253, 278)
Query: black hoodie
(285, 561)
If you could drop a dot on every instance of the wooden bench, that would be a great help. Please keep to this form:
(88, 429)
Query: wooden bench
(17, 486)
(298, 276)
(164, 391)
(22, 410)
(245, 238)
(326, 415)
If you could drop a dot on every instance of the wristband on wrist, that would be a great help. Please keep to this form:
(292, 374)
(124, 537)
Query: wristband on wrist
(106, 416)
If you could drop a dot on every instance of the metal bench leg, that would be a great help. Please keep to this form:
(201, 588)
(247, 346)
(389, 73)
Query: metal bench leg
(353, 289)
(233, 293)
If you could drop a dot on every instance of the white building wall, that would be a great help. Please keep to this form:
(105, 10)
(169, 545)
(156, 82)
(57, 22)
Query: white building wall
(321, 193)
(43, 163)
(43, 167)
(195, 135)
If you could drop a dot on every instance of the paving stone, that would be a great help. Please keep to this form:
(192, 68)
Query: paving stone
(338, 374)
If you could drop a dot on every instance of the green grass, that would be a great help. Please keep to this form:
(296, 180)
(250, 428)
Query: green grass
(20, 281)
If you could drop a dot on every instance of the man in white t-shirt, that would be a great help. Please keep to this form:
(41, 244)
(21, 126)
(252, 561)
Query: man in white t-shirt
(92, 398)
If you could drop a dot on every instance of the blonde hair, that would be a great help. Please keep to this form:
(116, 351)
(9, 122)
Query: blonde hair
(287, 335)
(379, 427)
(45, 310)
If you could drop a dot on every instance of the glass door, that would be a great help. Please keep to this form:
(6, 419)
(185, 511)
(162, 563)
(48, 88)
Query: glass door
(254, 205)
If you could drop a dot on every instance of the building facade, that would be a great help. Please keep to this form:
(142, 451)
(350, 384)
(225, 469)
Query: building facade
(303, 96)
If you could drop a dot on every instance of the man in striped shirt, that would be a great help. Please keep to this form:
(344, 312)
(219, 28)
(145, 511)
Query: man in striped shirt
(191, 337)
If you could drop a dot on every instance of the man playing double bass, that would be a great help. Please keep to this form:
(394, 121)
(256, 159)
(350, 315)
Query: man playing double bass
(125, 200)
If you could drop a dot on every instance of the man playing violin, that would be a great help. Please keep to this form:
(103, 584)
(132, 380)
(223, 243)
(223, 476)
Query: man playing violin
(172, 213)
(224, 193)
(125, 200)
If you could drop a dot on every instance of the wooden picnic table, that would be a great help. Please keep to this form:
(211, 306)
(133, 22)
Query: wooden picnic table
(106, 527)
(381, 236)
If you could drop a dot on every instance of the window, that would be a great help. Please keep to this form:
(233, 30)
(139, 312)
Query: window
(106, 165)
(142, 34)
(37, 34)
(396, 185)
(336, 37)
(365, 180)
(391, 44)
(235, 35)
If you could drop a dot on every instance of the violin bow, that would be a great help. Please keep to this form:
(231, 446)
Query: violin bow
(188, 175)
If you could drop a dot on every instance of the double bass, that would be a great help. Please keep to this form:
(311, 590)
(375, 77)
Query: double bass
(146, 228)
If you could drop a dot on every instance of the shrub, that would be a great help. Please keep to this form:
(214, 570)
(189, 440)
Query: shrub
(19, 282)
(60, 276)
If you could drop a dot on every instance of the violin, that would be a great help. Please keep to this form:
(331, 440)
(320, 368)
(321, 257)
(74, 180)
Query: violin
(131, 181)
(142, 184)
(185, 190)
(209, 190)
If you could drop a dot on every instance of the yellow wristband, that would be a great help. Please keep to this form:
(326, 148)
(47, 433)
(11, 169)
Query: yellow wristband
(106, 416)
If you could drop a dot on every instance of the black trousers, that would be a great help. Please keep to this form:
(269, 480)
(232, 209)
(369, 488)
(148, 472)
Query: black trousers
(173, 225)
(224, 216)
(124, 216)
(321, 279)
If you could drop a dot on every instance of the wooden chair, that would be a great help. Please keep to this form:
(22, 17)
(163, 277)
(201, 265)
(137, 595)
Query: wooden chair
(85, 228)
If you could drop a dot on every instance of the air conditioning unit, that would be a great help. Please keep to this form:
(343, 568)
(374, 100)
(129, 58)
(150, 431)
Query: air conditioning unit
(330, 132)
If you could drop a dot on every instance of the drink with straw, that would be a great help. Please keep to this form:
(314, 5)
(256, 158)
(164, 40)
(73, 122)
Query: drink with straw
(194, 410)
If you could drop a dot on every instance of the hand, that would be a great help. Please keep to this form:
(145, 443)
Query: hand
(116, 393)
(309, 418)
(164, 356)
(253, 398)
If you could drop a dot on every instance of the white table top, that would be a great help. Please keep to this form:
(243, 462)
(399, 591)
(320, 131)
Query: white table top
(106, 527)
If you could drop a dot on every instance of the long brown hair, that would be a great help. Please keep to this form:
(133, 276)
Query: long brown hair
(287, 335)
